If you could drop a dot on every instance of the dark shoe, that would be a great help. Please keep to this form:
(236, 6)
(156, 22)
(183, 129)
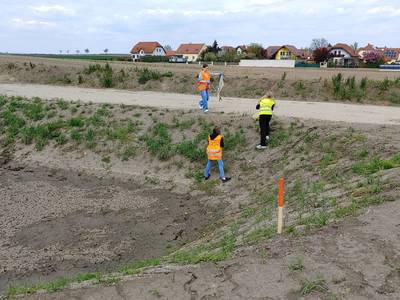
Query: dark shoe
(207, 177)
(225, 179)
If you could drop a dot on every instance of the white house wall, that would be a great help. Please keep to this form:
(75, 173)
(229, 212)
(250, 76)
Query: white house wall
(267, 63)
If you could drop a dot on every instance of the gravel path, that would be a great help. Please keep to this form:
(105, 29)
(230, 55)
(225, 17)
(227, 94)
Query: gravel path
(350, 113)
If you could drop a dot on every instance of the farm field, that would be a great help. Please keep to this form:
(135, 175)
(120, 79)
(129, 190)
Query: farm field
(108, 200)
(338, 85)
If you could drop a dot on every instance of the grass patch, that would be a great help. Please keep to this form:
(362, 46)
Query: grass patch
(50, 287)
(259, 235)
(296, 264)
(136, 267)
(376, 164)
(312, 285)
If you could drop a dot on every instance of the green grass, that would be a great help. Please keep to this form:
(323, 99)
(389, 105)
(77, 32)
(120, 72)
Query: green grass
(88, 276)
(371, 166)
(258, 235)
(50, 287)
(136, 267)
(312, 285)
(296, 264)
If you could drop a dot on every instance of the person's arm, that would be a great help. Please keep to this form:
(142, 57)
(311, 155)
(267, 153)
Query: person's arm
(222, 143)
(273, 106)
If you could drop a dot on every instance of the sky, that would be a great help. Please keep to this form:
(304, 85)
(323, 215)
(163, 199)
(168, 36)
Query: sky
(47, 26)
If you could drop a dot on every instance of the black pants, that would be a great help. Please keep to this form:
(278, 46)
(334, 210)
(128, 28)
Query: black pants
(264, 128)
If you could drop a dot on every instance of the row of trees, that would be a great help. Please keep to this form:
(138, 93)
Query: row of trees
(215, 53)
(87, 51)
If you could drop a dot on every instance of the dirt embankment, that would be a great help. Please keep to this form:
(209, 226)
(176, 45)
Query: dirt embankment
(97, 187)
(361, 86)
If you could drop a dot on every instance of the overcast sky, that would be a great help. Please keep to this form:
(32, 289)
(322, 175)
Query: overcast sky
(47, 26)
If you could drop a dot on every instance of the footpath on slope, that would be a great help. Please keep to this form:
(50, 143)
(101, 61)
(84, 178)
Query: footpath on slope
(339, 112)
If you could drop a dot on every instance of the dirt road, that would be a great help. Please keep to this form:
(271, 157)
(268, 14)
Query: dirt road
(339, 112)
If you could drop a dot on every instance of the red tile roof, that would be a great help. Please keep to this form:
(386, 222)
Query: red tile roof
(170, 53)
(147, 47)
(190, 48)
(271, 50)
(346, 48)
(369, 47)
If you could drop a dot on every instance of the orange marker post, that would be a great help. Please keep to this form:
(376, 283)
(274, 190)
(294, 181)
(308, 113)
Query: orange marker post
(280, 205)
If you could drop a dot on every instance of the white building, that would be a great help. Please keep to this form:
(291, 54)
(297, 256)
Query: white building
(147, 49)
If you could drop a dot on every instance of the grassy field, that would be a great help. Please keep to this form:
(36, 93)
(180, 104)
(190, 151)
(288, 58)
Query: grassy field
(344, 85)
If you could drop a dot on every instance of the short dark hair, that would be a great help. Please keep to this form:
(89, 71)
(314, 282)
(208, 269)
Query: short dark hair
(205, 65)
(216, 130)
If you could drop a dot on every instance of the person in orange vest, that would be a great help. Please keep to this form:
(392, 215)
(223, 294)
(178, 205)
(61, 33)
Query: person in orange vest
(214, 153)
(203, 85)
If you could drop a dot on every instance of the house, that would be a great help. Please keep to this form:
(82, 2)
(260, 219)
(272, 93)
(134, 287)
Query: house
(191, 51)
(147, 48)
(285, 52)
(342, 55)
(362, 52)
(390, 54)
(226, 49)
(241, 50)
(170, 53)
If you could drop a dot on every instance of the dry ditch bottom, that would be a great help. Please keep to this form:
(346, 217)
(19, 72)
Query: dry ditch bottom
(43, 235)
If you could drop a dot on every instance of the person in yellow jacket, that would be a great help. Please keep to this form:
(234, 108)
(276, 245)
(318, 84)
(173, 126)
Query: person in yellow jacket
(214, 153)
(203, 85)
(265, 106)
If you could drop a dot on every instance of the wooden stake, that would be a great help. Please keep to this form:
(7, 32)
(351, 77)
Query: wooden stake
(280, 205)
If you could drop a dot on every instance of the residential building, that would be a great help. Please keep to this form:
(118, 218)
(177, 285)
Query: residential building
(226, 49)
(342, 55)
(390, 54)
(170, 53)
(241, 50)
(362, 52)
(191, 51)
(285, 52)
(147, 48)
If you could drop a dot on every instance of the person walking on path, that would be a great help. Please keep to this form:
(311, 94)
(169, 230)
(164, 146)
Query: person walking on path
(203, 85)
(265, 106)
(214, 153)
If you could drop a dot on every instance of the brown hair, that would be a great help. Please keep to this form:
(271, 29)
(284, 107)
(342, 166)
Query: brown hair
(216, 130)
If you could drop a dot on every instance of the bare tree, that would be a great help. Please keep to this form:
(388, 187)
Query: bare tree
(318, 43)
(67, 51)
(354, 46)
(87, 51)
(60, 51)
(167, 48)
(77, 51)
(105, 50)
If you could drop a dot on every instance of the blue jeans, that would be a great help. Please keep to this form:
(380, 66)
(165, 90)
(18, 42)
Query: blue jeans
(204, 99)
(220, 166)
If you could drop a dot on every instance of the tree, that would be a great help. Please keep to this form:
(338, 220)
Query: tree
(214, 48)
(374, 57)
(167, 48)
(77, 51)
(319, 43)
(105, 50)
(60, 51)
(210, 56)
(321, 54)
(256, 49)
(67, 51)
(87, 51)
(354, 46)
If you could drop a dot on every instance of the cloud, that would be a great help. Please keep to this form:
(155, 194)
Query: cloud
(18, 22)
(384, 10)
(52, 9)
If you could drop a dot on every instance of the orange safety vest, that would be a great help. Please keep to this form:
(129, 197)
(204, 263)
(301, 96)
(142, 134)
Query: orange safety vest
(205, 76)
(214, 150)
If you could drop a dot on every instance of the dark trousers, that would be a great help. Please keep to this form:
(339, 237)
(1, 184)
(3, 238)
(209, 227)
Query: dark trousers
(264, 128)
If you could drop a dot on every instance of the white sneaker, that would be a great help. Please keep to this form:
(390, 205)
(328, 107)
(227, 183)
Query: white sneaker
(201, 107)
(206, 110)
(259, 147)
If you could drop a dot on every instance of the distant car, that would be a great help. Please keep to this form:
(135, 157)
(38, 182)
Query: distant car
(177, 59)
